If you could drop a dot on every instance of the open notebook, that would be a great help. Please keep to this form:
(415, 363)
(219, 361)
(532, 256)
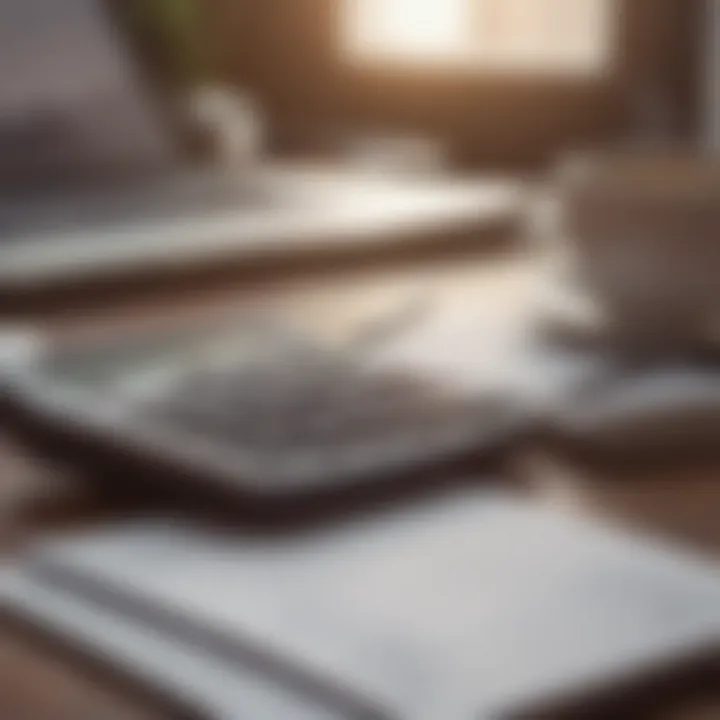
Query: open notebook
(475, 605)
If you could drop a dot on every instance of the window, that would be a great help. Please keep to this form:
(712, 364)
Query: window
(550, 36)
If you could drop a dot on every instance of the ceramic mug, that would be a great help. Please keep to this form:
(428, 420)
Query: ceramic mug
(642, 231)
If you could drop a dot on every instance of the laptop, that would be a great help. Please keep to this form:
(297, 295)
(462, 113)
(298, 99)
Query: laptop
(97, 177)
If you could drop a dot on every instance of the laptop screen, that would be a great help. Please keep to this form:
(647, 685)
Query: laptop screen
(72, 102)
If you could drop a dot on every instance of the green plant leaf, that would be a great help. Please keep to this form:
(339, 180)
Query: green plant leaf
(173, 28)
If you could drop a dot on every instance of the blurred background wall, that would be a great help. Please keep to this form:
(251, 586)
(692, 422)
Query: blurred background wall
(286, 51)
(710, 27)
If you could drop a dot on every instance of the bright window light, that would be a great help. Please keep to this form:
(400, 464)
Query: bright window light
(523, 35)
(414, 28)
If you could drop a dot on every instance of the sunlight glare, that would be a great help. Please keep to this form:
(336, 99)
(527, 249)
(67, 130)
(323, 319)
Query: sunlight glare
(418, 28)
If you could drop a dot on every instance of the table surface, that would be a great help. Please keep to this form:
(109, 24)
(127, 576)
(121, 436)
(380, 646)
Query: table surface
(675, 502)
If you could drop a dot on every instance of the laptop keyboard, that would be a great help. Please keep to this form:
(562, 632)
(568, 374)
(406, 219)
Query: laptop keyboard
(325, 405)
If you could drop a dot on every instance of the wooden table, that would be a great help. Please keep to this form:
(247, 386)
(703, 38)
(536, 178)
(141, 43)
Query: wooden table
(41, 684)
